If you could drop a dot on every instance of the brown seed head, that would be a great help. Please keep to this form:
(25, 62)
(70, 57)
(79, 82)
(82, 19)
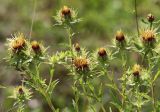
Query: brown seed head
(102, 52)
(35, 46)
(77, 47)
(148, 35)
(136, 70)
(80, 63)
(120, 36)
(66, 11)
(150, 18)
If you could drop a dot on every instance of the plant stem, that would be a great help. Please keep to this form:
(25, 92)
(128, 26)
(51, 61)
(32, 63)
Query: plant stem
(69, 38)
(150, 27)
(153, 98)
(48, 99)
(103, 109)
(136, 16)
(76, 95)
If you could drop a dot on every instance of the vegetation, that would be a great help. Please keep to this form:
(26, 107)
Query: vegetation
(102, 80)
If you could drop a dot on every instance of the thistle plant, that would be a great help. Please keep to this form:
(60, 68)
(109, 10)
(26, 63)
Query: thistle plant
(91, 71)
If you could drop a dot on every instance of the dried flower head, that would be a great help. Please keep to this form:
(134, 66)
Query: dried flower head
(81, 64)
(136, 70)
(102, 52)
(66, 12)
(77, 47)
(148, 35)
(150, 17)
(18, 42)
(120, 36)
(36, 46)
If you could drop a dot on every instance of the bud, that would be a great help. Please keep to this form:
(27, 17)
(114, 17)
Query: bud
(102, 52)
(36, 46)
(150, 18)
(148, 35)
(77, 47)
(66, 12)
(136, 70)
(120, 36)
(81, 64)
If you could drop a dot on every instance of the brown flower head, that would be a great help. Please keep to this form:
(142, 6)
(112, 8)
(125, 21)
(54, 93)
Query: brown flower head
(120, 36)
(150, 17)
(81, 63)
(148, 35)
(66, 12)
(35, 46)
(77, 47)
(136, 70)
(102, 52)
(18, 43)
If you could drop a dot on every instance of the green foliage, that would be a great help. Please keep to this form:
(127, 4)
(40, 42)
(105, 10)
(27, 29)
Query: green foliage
(91, 72)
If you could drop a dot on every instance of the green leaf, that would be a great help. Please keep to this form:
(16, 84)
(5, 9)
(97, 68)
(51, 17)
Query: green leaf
(156, 76)
(111, 86)
(138, 46)
(116, 102)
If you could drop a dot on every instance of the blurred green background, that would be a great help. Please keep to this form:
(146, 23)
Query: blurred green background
(101, 19)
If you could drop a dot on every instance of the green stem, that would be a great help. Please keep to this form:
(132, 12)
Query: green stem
(153, 98)
(103, 109)
(69, 38)
(150, 27)
(48, 99)
(136, 16)
(86, 96)
(76, 95)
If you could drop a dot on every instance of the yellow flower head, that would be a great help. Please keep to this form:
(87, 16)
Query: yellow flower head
(35, 46)
(18, 42)
(77, 47)
(102, 52)
(66, 11)
(148, 35)
(81, 63)
(120, 36)
(136, 70)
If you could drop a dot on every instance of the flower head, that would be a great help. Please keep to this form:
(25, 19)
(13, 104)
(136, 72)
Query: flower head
(18, 42)
(66, 16)
(77, 47)
(20, 90)
(150, 17)
(81, 64)
(120, 36)
(36, 46)
(148, 35)
(136, 70)
(102, 52)
(21, 93)
(66, 12)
